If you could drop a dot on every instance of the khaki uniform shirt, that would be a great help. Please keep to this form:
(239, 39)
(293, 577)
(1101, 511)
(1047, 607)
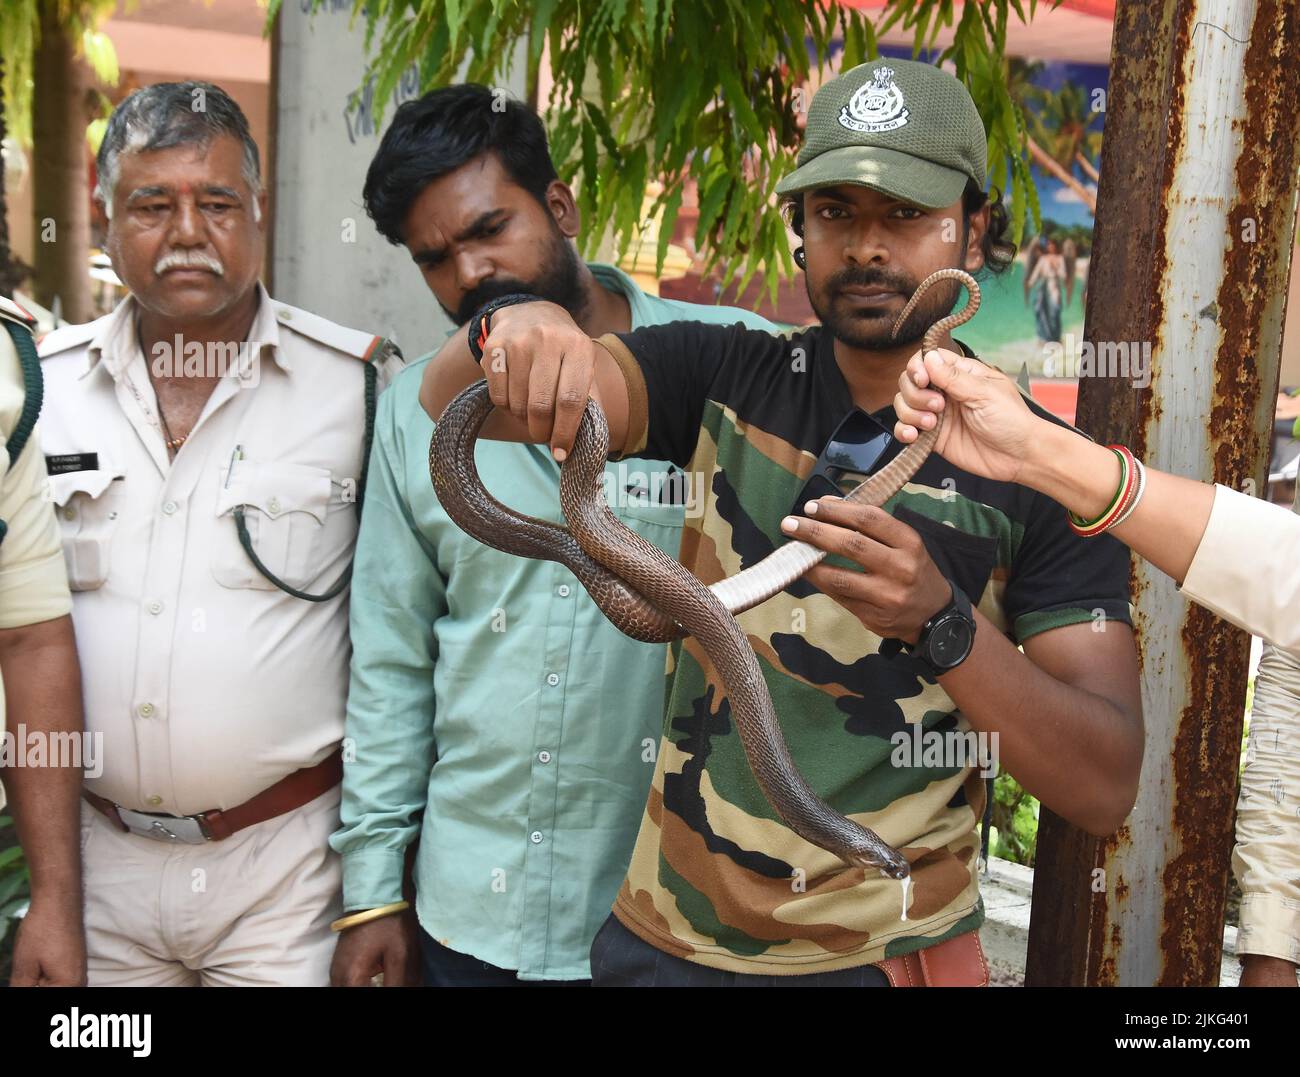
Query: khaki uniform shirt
(208, 683)
(33, 586)
(1267, 857)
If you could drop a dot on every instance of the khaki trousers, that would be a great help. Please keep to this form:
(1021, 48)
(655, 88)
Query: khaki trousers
(252, 910)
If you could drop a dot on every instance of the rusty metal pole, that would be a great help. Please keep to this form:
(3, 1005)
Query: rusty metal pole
(1191, 253)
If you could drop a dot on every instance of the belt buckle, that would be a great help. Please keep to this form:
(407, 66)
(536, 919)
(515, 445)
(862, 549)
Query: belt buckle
(185, 829)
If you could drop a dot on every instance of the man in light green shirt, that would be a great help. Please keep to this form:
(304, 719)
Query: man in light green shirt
(493, 713)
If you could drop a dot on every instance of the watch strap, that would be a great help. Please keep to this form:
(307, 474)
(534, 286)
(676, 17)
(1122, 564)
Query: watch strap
(480, 326)
(961, 605)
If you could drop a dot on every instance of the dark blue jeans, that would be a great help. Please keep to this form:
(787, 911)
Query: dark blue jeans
(620, 959)
(444, 967)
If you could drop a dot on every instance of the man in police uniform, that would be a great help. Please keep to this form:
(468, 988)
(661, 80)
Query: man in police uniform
(39, 676)
(205, 445)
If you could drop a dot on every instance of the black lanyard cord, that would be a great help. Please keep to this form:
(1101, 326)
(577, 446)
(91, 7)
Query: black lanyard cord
(241, 526)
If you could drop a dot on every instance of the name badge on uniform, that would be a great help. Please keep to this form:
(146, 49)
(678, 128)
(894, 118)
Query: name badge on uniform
(67, 462)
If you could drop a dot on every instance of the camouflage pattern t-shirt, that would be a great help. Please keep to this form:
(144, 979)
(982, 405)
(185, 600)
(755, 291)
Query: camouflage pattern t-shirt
(715, 876)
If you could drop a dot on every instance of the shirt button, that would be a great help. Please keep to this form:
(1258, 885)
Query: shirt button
(274, 505)
(69, 513)
(563, 590)
(153, 801)
(145, 710)
(552, 679)
(155, 607)
(535, 837)
(170, 507)
(543, 756)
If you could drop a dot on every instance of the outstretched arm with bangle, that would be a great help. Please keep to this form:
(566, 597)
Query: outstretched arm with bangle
(1234, 554)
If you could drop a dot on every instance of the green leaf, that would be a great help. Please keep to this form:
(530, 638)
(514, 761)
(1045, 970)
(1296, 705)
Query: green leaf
(712, 193)
(737, 211)
(872, 46)
(666, 222)
(543, 10)
(918, 38)
(589, 189)
(451, 16)
(1031, 193)
(893, 12)
(855, 41)
(631, 197)
(650, 11)
(11, 883)
(736, 100)
(101, 56)
(602, 128)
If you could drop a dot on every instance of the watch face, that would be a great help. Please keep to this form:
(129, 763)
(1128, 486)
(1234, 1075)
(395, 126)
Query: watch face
(950, 642)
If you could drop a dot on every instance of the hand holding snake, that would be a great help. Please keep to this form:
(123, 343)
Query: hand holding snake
(651, 597)
(987, 428)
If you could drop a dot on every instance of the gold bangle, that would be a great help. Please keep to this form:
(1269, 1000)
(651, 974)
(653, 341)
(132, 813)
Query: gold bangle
(366, 915)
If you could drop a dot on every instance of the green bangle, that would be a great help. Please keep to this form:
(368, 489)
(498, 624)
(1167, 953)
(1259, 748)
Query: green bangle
(1119, 492)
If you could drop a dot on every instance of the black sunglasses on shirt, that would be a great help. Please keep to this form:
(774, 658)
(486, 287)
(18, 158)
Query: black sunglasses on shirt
(857, 446)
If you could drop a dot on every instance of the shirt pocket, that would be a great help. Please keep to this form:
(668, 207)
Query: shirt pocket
(660, 524)
(285, 508)
(642, 498)
(967, 560)
(88, 504)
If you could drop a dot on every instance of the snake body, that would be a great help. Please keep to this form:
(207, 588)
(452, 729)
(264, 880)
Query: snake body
(651, 597)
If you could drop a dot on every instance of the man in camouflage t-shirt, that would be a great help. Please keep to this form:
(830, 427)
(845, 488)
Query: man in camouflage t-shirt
(720, 890)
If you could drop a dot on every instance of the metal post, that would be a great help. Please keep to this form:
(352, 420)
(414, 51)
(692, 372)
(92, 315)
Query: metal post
(1191, 254)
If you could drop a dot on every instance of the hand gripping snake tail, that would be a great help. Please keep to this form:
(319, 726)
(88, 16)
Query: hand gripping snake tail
(651, 597)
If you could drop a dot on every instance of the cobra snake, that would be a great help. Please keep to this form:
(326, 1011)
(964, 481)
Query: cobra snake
(651, 597)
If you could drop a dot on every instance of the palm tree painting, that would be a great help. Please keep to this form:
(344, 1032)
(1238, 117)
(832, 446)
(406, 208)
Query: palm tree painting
(1035, 311)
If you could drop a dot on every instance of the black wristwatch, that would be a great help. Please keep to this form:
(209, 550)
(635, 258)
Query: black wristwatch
(480, 326)
(948, 636)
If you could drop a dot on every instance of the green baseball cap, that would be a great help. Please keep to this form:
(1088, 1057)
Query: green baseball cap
(904, 128)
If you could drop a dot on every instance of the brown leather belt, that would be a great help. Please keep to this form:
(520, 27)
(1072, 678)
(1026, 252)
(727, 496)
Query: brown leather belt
(955, 962)
(299, 788)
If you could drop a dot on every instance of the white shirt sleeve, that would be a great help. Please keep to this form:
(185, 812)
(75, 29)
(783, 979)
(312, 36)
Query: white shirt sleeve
(1247, 567)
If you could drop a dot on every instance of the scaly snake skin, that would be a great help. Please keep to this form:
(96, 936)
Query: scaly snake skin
(651, 597)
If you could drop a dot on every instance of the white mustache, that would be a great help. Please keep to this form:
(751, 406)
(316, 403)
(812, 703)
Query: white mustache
(188, 260)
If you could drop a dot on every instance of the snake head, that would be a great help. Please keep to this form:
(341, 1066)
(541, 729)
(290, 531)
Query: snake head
(890, 864)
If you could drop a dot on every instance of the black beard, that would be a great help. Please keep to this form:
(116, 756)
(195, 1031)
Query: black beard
(559, 281)
(876, 334)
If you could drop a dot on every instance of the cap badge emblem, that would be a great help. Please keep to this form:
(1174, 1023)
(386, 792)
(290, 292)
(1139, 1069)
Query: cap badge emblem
(876, 105)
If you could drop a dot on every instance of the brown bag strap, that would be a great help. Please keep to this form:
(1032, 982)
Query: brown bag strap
(957, 962)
